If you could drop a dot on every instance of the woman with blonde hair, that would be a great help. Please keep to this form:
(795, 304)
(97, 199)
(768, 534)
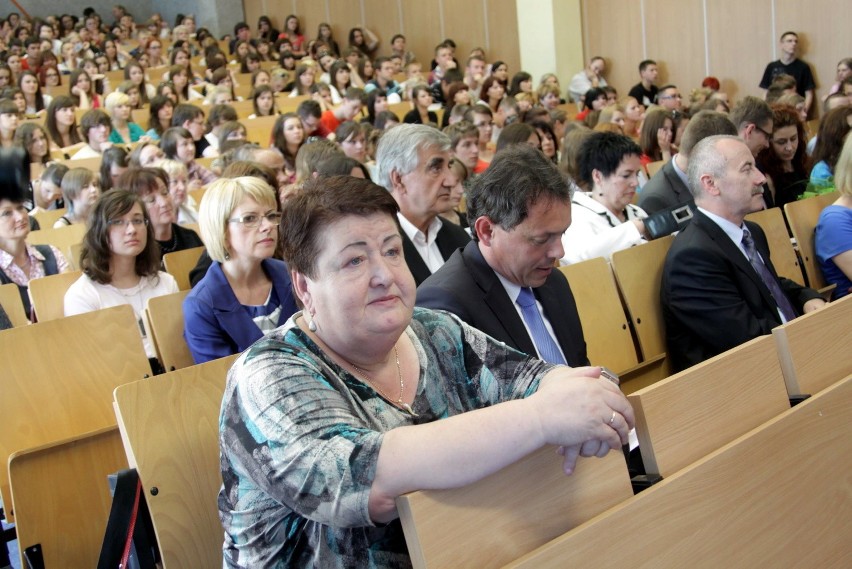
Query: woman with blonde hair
(124, 131)
(186, 209)
(834, 229)
(245, 293)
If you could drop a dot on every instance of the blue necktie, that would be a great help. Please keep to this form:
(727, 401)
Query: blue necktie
(541, 337)
(768, 279)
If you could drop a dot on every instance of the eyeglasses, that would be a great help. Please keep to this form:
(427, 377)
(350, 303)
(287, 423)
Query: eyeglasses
(676, 96)
(135, 222)
(253, 220)
(768, 135)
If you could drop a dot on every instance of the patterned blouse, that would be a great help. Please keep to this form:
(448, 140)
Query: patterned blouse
(300, 438)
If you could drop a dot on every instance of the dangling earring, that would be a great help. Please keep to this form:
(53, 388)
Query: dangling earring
(312, 325)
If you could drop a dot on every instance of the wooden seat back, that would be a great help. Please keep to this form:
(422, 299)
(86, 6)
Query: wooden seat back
(803, 216)
(814, 348)
(498, 519)
(61, 237)
(57, 377)
(165, 315)
(780, 246)
(638, 272)
(10, 300)
(179, 263)
(692, 413)
(61, 496)
(47, 294)
(608, 338)
(170, 428)
(47, 218)
(259, 130)
(737, 507)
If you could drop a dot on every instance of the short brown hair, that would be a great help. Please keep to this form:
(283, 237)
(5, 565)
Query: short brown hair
(321, 202)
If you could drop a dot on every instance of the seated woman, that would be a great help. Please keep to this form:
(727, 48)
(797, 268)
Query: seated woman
(245, 293)
(784, 163)
(657, 137)
(833, 240)
(113, 165)
(152, 187)
(186, 210)
(835, 125)
(47, 189)
(177, 144)
(95, 126)
(8, 123)
(319, 419)
(421, 98)
(120, 262)
(160, 119)
(604, 220)
(61, 125)
(21, 262)
(32, 137)
(124, 131)
(80, 189)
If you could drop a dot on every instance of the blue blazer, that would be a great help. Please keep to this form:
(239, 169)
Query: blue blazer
(216, 324)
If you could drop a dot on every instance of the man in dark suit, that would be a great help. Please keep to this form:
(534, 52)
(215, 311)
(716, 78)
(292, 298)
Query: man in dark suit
(719, 288)
(667, 188)
(518, 209)
(413, 163)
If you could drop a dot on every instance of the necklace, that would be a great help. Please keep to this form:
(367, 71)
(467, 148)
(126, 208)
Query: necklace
(399, 402)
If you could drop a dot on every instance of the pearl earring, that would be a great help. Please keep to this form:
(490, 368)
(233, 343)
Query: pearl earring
(312, 325)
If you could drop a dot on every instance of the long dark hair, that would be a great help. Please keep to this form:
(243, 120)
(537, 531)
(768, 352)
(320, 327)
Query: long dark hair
(39, 98)
(95, 254)
(768, 161)
(61, 102)
(280, 142)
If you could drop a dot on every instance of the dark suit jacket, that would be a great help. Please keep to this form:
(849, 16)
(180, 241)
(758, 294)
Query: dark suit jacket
(469, 288)
(450, 237)
(216, 324)
(712, 298)
(665, 189)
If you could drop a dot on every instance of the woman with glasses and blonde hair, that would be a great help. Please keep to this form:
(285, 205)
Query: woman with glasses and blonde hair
(245, 293)
(120, 262)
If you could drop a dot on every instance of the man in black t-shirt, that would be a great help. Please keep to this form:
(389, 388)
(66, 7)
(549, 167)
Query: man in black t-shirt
(645, 91)
(789, 64)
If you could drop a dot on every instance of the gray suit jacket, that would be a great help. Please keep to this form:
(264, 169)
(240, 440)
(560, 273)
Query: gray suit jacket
(665, 189)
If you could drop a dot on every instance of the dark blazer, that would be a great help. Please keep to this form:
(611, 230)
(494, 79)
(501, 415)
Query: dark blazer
(216, 324)
(469, 288)
(665, 189)
(712, 298)
(450, 237)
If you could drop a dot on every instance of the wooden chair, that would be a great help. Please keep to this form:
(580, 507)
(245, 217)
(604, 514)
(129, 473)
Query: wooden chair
(245, 107)
(10, 300)
(814, 348)
(400, 109)
(737, 507)
(179, 263)
(141, 116)
(197, 195)
(93, 164)
(47, 295)
(170, 428)
(288, 104)
(694, 412)
(780, 246)
(803, 216)
(62, 499)
(46, 219)
(259, 129)
(57, 377)
(638, 272)
(609, 341)
(73, 253)
(654, 167)
(61, 237)
(498, 519)
(165, 315)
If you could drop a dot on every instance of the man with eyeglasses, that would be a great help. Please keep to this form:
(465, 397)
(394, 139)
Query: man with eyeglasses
(670, 98)
(753, 119)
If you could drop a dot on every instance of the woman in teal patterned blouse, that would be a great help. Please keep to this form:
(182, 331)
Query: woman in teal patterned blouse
(361, 397)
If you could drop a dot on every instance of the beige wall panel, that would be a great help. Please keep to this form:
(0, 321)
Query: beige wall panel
(310, 13)
(465, 23)
(675, 39)
(254, 9)
(422, 21)
(382, 18)
(345, 15)
(613, 30)
(502, 24)
(739, 50)
(824, 35)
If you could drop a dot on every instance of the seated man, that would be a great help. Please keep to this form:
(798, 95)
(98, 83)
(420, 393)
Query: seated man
(464, 141)
(353, 100)
(504, 282)
(668, 187)
(95, 127)
(413, 163)
(719, 288)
